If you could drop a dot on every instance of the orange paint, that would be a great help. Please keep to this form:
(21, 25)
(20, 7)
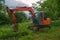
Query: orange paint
(46, 22)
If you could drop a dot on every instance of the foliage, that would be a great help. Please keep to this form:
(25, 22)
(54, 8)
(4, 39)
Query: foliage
(51, 7)
(21, 16)
(4, 19)
(58, 7)
(26, 34)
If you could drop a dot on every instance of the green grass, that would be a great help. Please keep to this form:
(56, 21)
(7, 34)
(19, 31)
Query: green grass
(6, 32)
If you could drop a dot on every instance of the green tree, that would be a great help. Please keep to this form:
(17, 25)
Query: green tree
(51, 8)
(21, 16)
(4, 18)
(58, 7)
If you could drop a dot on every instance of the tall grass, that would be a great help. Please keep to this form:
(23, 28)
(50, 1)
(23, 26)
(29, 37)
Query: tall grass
(23, 33)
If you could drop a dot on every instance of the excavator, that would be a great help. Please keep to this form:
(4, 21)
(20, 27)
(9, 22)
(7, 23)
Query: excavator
(40, 19)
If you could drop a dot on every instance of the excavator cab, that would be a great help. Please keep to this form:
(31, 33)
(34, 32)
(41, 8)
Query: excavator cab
(40, 18)
(41, 21)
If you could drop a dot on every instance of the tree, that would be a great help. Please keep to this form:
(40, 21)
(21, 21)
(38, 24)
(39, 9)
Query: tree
(21, 16)
(51, 8)
(58, 7)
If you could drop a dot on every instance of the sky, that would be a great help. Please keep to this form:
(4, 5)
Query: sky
(20, 3)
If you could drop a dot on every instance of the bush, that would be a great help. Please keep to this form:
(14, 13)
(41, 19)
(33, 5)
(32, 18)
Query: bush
(5, 19)
(21, 16)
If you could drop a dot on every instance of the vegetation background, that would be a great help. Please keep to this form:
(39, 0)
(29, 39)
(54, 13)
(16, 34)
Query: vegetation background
(52, 7)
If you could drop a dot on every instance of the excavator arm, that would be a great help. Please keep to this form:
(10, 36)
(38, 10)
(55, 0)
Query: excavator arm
(11, 14)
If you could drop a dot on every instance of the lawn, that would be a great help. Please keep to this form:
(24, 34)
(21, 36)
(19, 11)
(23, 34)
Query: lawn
(6, 32)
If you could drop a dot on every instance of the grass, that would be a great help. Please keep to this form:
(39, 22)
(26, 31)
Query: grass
(6, 32)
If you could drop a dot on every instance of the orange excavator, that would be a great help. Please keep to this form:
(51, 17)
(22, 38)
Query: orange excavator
(40, 19)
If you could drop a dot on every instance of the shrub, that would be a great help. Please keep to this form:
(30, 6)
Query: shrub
(4, 19)
(21, 16)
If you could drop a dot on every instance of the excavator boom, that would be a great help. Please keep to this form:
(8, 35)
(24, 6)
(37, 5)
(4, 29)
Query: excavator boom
(11, 14)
